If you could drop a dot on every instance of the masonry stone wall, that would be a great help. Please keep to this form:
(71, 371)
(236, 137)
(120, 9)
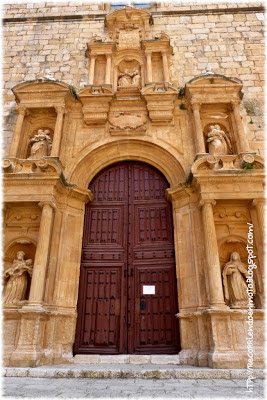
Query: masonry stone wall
(228, 38)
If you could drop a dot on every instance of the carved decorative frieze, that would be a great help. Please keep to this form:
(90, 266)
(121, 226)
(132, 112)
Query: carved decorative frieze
(227, 162)
(45, 164)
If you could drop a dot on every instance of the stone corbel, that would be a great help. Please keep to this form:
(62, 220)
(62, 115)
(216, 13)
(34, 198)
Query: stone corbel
(96, 102)
(160, 100)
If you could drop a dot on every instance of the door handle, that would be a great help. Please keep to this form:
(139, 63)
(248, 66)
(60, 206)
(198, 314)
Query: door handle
(131, 271)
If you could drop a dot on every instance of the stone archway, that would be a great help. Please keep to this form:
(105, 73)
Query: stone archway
(88, 164)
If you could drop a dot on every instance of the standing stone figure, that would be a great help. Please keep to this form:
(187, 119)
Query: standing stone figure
(41, 144)
(218, 142)
(234, 282)
(16, 279)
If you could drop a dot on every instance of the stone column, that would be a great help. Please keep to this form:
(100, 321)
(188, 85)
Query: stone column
(58, 131)
(108, 69)
(242, 142)
(92, 70)
(166, 76)
(41, 256)
(199, 137)
(212, 255)
(260, 208)
(149, 67)
(22, 111)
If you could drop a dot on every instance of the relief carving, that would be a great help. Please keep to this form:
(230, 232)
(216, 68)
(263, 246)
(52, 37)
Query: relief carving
(127, 120)
(41, 144)
(234, 282)
(218, 142)
(129, 74)
(16, 279)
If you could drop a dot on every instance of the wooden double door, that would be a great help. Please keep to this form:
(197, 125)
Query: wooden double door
(127, 292)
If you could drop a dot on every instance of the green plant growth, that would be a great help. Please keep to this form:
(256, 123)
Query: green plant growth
(247, 165)
(182, 106)
(211, 80)
(251, 122)
(73, 91)
(181, 93)
(189, 179)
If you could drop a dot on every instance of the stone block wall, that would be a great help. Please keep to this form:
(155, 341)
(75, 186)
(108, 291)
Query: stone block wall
(227, 38)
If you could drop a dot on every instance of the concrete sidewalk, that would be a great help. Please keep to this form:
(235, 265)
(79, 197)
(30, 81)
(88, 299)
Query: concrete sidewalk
(129, 371)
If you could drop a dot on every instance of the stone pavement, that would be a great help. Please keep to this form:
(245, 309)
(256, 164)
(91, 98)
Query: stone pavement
(129, 388)
(129, 381)
(133, 371)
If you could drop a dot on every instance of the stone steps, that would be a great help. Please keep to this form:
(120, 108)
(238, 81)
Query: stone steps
(127, 359)
(129, 371)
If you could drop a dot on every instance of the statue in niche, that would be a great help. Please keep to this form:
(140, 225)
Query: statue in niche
(125, 78)
(128, 78)
(218, 142)
(136, 79)
(41, 144)
(16, 279)
(234, 282)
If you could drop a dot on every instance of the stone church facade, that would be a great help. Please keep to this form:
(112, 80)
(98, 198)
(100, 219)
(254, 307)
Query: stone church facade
(133, 179)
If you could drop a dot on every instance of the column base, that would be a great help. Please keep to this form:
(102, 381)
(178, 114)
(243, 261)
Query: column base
(29, 351)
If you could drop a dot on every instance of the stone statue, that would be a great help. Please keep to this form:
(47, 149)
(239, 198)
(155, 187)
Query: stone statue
(128, 78)
(16, 279)
(125, 78)
(234, 282)
(136, 79)
(219, 144)
(41, 144)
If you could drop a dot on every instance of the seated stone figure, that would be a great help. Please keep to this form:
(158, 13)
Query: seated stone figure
(234, 282)
(218, 142)
(16, 279)
(41, 144)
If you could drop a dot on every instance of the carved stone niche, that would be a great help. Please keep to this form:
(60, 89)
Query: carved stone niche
(41, 105)
(96, 102)
(234, 266)
(160, 98)
(18, 267)
(216, 98)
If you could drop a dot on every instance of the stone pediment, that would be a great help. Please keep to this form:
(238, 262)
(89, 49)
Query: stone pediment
(40, 93)
(213, 88)
(128, 26)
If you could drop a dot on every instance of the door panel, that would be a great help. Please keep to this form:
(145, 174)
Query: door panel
(127, 243)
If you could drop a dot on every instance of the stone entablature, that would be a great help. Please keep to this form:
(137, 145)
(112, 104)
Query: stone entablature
(130, 111)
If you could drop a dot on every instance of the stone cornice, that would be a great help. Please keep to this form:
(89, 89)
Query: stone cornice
(155, 14)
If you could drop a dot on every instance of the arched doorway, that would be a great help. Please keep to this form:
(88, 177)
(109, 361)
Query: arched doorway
(128, 292)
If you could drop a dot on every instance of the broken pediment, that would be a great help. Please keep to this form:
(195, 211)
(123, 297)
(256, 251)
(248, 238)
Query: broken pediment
(128, 26)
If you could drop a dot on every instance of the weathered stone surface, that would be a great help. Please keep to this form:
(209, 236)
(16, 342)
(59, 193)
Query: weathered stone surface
(157, 93)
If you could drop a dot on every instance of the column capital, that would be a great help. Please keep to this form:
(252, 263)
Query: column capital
(234, 104)
(41, 204)
(195, 104)
(202, 202)
(256, 202)
(60, 109)
(22, 110)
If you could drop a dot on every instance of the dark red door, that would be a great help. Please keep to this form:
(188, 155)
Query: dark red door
(128, 293)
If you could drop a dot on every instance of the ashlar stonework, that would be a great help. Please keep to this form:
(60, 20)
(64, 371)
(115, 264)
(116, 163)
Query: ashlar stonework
(132, 109)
